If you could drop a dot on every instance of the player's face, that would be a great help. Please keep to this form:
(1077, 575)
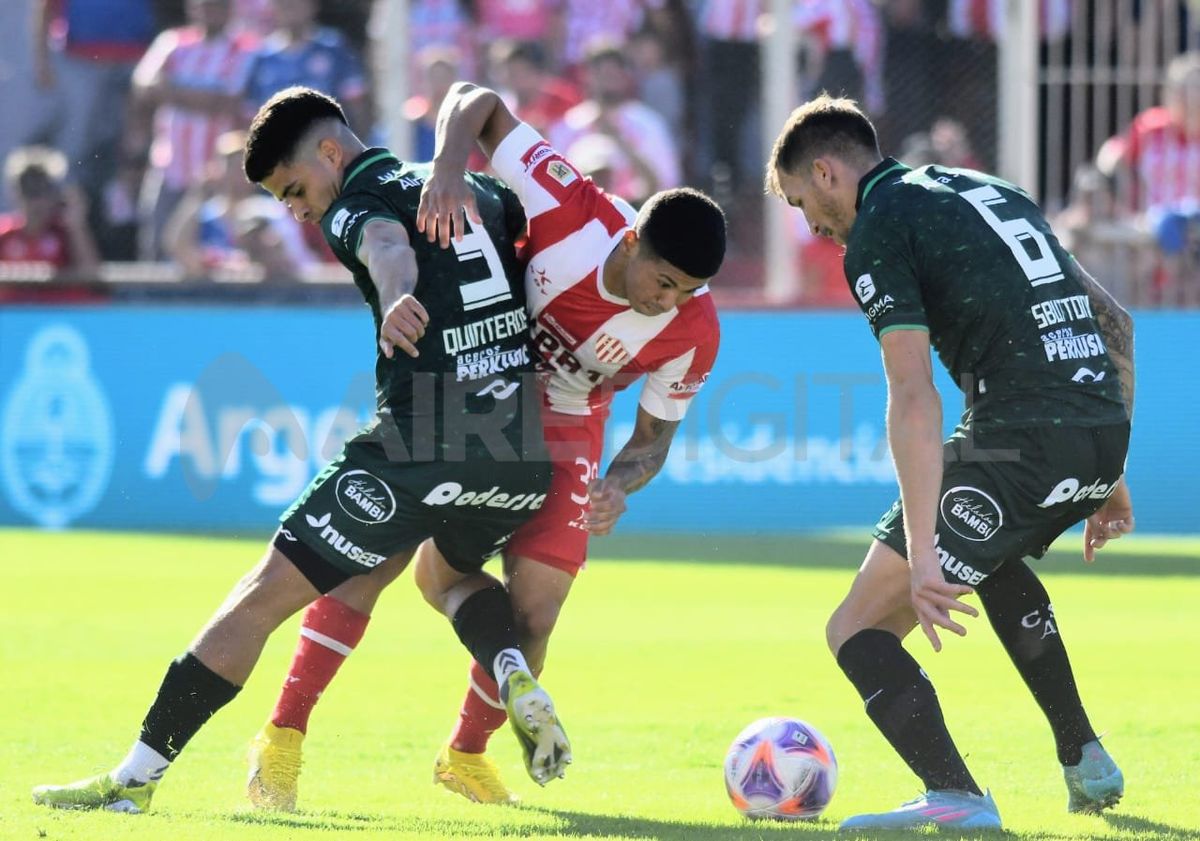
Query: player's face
(654, 286)
(814, 194)
(308, 185)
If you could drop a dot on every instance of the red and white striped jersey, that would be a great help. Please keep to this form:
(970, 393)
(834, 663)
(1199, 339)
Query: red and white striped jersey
(589, 342)
(988, 18)
(1164, 161)
(731, 20)
(183, 138)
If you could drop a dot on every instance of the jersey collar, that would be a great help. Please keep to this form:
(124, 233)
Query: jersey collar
(364, 160)
(867, 183)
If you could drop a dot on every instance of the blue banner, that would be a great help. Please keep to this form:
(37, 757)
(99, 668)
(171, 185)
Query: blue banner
(215, 418)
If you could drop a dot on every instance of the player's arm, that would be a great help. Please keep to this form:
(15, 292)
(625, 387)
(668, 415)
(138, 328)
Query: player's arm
(634, 466)
(1115, 517)
(469, 115)
(914, 430)
(1116, 327)
(389, 258)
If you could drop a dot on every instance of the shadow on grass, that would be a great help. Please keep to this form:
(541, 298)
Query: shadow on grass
(1140, 827)
(846, 552)
(535, 820)
(558, 823)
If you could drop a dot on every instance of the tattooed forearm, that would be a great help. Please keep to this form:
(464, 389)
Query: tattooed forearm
(640, 460)
(1116, 328)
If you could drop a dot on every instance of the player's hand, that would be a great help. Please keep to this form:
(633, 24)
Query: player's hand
(446, 199)
(933, 598)
(607, 505)
(1114, 519)
(403, 326)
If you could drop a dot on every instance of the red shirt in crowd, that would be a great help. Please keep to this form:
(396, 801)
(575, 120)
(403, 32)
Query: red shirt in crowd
(19, 245)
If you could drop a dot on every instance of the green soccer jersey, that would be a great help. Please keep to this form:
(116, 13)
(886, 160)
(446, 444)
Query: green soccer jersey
(971, 259)
(476, 343)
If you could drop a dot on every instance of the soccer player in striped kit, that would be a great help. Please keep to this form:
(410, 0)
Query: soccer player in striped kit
(613, 296)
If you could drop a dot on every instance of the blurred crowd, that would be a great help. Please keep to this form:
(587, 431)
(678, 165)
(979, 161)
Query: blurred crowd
(122, 139)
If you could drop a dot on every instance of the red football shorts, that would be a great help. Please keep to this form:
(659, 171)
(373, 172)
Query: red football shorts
(557, 534)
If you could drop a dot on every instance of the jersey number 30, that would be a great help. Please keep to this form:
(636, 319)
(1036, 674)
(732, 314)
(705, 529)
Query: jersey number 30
(476, 294)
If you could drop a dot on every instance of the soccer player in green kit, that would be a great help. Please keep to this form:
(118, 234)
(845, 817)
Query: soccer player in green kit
(966, 264)
(452, 367)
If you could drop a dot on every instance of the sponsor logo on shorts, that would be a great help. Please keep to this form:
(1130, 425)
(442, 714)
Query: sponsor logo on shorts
(365, 497)
(343, 545)
(452, 493)
(864, 288)
(965, 573)
(971, 514)
(1071, 490)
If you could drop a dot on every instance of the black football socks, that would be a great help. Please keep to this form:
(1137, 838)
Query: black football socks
(901, 701)
(1023, 618)
(189, 695)
(485, 625)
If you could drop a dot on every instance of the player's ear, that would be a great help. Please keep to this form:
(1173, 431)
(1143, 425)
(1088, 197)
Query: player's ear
(822, 172)
(629, 241)
(330, 151)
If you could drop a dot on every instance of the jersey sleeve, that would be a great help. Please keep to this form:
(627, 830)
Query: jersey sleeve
(882, 272)
(344, 223)
(557, 199)
(668, 390)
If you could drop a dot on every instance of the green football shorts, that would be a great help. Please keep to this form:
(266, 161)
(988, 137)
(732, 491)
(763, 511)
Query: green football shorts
(1009, 493)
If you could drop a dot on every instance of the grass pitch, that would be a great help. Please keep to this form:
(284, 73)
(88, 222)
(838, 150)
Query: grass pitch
(666, 649)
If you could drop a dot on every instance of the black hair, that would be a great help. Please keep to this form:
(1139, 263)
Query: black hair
(530, 52)
(686, 228)
(279, 125)
(822, 126)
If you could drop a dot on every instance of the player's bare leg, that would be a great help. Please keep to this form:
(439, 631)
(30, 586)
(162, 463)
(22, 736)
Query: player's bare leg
(207, 677)
(331, 628)
(864, 634)
(481, 611)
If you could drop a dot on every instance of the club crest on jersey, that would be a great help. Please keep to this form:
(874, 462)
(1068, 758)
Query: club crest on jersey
(561, 172)
(610, 350)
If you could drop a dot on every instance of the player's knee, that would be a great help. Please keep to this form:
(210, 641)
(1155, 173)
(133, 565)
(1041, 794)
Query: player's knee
(427, 582)
(834, 633)
(536, 620)
(843, 623)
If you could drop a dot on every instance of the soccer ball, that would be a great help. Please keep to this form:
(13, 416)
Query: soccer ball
(780, 768)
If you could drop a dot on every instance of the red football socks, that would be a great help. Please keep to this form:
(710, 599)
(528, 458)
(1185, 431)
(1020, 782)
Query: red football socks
(482, 714)
(328, 634)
